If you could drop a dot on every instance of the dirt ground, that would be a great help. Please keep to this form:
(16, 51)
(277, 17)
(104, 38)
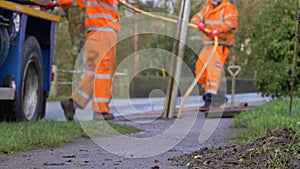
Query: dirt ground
(271, 151)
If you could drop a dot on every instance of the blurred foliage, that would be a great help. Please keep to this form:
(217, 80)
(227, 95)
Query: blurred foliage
(272, 40)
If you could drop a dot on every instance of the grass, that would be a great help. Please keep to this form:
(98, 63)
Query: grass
(103, 128)
(267, 117)
(22, 136)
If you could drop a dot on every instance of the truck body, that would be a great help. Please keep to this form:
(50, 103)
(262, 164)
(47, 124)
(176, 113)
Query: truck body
(26, 55)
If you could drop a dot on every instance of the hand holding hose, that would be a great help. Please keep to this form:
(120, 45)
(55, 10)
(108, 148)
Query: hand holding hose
(52, 4)
(215, 33)
(201, 26)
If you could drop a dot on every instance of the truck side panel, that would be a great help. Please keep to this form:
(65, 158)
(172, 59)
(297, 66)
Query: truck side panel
(13, 64)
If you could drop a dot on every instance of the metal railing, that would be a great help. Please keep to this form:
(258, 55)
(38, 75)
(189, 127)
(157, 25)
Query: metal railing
(120, 81)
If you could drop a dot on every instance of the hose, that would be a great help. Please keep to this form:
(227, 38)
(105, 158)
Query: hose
(188, 92)
(152, 15)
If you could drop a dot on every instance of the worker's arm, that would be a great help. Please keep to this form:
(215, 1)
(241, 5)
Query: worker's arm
(230, 21)
(72, 3)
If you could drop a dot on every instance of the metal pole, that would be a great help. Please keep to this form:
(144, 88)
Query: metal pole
(136, 45)
(172, 68)
(294, 64)
(178, 50)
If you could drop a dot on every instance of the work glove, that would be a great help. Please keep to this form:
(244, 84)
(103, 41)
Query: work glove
(215, 32)
(52, 4)
(201, 26)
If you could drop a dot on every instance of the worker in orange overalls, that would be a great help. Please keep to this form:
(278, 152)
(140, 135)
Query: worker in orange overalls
(101, 21)
(221, 17)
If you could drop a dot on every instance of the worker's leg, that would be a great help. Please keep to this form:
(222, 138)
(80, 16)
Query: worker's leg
(84, 91)
(104, 72)
(210, 80)
(201, 62)
(214, 70)
(213, 96)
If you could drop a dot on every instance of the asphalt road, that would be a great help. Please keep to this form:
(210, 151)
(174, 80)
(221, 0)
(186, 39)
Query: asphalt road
(127, 107)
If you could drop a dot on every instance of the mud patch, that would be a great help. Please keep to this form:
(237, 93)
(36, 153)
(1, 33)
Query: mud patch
(278, 149)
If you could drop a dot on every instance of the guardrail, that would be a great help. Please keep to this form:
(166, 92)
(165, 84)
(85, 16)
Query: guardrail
(120, 81)
(140, 87)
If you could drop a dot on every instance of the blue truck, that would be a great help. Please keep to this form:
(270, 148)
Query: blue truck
(26, 53)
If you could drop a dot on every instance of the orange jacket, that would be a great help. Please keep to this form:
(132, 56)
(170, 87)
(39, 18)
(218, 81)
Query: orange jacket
(223, 17)
(100, 14)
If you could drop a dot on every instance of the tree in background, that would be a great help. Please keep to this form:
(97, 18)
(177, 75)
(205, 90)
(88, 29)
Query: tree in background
(272, 42)
(241, 52)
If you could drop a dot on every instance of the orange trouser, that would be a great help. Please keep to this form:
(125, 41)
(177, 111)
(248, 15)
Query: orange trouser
(100, 53)
(210, 79)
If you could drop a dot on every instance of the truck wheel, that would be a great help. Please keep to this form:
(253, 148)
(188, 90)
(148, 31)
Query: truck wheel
(30, 95)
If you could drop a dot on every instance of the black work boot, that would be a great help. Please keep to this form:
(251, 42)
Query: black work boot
(69, 108)
(207, 102)
(213, 100)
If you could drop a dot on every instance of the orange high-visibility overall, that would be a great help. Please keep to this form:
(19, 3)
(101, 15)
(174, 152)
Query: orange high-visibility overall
(225, 18)
(101, 21)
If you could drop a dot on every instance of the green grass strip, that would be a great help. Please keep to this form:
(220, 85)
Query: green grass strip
(267, 117)
(23, 136)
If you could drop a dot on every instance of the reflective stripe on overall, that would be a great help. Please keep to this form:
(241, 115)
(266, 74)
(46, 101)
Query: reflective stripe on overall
(100, 15)
(102, 24)
(100, 57)
(211, 76)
